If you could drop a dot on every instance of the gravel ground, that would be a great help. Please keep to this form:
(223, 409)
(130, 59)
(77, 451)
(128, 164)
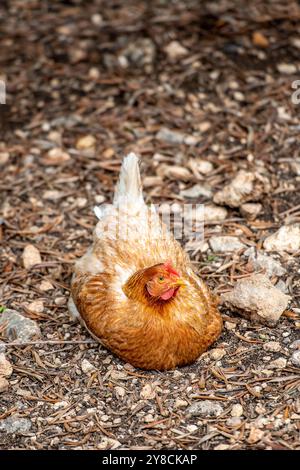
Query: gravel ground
(201, 93)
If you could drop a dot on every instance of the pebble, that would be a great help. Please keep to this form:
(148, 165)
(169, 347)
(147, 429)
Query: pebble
(205, 408)
(60, 301)
(192, 428)
(222, 447)
(204, 167)
(174, 172)
(279, 363)
(296, 358)
(37, 306)
(4, 384)
(241, 189)
(272, 346)
(179, 403)
(85, 142)
(224, 244)
(294, 345)
(196, 191)
(148, 392)
(255, 435)
(99, 199)
(87, 367)
(257, 299)
(217, 354)
(213, 213)
(56, 156)
(5, 366)
(237, 410)
(287, 238)
(120, 392)
(175, 50)
(260, 39)
(4, 157)
(19, 327)
(234, 421)
(260, 260)
(230, 326)
(250, 210)
(31, 256)
(45, 286)
(52, 195)
(15, 425)
(287, 69)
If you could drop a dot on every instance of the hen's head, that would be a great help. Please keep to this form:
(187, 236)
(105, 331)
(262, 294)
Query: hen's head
(158, 283)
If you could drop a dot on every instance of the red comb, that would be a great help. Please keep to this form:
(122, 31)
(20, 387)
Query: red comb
(169, 267)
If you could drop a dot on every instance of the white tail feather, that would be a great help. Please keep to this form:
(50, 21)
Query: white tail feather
(129, 187)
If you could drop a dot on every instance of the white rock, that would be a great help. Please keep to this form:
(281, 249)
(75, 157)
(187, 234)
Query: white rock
(272, 346)
(19, 327)
(251, 210)
(296, 358)
(196, 191)
(15, 425)
(192, 428)
(255, 435)
(174, 172)
(237, 410)
(87, 367)
(295, 344)
(148, 392)
(45, 286)
(37, 306)
(224, 244)
(244, 187)
(57, 156)
(260, 260)
(4, 384)
(120, 392)
(179, 403)
(52, 195)
(175, 50)
(5, 366)
(234, 421)
(86, 142)
(217, 353)
(287, 69)
(256, 298)
(214, 213)
(173, 137)
(279, 363)
(31, 256)
(99, 199)
(222, 447)
(295, 167)
(205, 408)
(287, 238)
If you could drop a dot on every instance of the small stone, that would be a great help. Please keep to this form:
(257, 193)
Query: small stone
(56, 156)
(148, 392)
(87, 367)
(204, 167)
(97, 19)
(45, 286)
(179, 403)
(52, 195)
(295, 167)
(217, 353)
(37, 306)
(196, 191)
(4, 157)
(295, 42)
(120, 392)
(250, 210)
(4, 384)
(174, 172)
(60, 301)
(244, 187)
(19, 327)
(237, 410)
(192, 428)
(272, 346)
(108, 443)
(148, 418)
(5, 366)
(173, 137)
(295, 344)
(255, 435)
(224, 244)
(222, 447)
(86, 142)
(295, 359)
(287, 69)
(260, 40)
(257, 299)
(230, 326)
(60, 405)
(175, 50)
(15, 425)
(81, 202)
(287, 238)
(204, 126)
(99, 199)
(260, 260)
(205, 408)
(214, 213)
(234, 421)
(31, 256)
(279, 363)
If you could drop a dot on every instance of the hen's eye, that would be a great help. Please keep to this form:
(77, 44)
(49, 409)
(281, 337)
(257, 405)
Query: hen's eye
(161, 278)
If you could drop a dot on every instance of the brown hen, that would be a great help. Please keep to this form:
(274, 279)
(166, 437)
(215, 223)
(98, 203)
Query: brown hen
(135, 289)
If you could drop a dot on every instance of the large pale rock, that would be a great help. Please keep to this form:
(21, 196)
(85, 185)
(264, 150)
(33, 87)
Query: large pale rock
(257, 299)
(205, 408)
(225, 244)
(287, 238)
(15, 425)
(244, 187)
(31, 256)
(19, 327)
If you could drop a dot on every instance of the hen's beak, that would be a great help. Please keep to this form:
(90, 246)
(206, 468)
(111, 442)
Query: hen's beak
(179, 283)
